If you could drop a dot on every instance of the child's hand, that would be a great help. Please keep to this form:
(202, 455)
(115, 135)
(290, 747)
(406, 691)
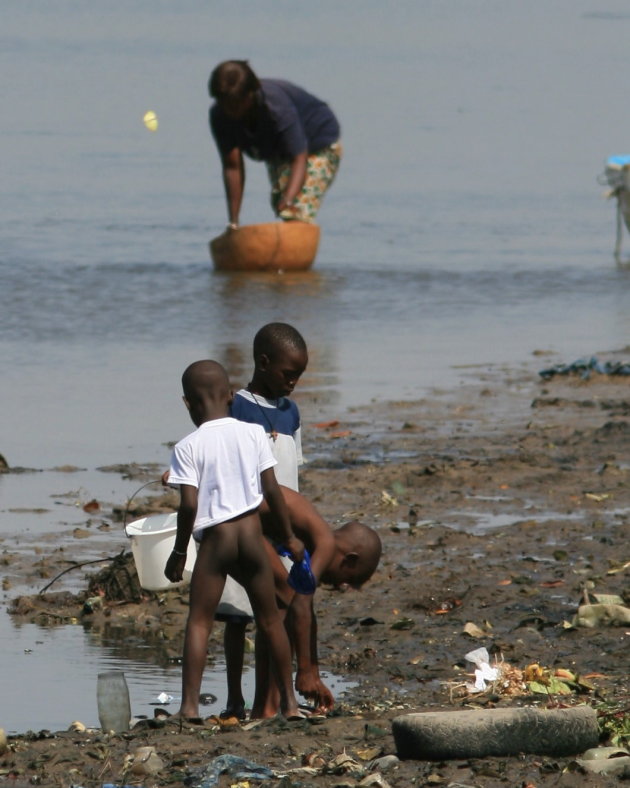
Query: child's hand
(165, 479)
(324, 701)
(309, 684)
(174, 570)
(295, 547)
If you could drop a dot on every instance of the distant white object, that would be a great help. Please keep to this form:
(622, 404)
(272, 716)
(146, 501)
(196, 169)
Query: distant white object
(152, 540)
(617, 176)
(164, 697)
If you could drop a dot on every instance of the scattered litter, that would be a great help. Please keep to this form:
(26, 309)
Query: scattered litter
(91, 506)
(484, 673)
(164, 698)
(446, 605)
(388, 499)
(344, 764)
(93, 603)
(114, 785)
(601, 615)
(384, 763)
(374, 781)
(473, 631)
(506, 680)
(584, 367)
(598, 497)
(145, 761)
(615, 570)
(608, 599)
(605, 760)
(369, 753)
(233, 765)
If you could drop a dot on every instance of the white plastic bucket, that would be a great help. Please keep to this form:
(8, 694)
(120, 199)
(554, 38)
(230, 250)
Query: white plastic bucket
(152, 540)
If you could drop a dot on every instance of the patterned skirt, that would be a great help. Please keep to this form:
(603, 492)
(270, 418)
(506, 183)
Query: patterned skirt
(321, 168)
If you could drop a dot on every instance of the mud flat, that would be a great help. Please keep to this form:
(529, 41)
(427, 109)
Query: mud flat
(503, 507)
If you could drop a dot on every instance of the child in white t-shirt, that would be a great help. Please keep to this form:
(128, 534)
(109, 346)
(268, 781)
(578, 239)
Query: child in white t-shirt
(224, 469)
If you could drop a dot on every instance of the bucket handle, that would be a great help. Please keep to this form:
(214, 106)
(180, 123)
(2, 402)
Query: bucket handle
(130, 499)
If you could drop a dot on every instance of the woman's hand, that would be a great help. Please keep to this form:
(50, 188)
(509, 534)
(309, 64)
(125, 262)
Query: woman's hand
(284, 206)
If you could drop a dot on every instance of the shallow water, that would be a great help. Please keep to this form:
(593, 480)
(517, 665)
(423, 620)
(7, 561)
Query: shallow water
(466, 226)
(60, 666)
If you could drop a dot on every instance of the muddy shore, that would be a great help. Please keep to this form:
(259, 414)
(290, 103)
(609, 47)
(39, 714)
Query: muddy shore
(502, 506)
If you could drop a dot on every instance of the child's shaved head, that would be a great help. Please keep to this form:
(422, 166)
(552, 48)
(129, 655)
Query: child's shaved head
(275, 337)
(205, 379)
(366, 543)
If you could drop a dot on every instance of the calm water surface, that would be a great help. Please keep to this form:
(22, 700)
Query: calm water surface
(466, 226)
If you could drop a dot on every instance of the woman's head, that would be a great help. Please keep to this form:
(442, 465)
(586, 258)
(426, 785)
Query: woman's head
(233, 85)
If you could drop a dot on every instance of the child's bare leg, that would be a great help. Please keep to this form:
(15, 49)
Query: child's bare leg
(269, 621)
(195, 654)
(206, 586)
(266, 696)
(234, 647)
(281, 663)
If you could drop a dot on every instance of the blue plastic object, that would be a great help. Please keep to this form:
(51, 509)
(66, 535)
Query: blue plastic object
(238, 768)
(301, 577)
(618, 161)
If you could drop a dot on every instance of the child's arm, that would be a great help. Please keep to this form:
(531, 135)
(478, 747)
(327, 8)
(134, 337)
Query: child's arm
(186, 514)
(303, 629)
(301, 615)
(280, 513)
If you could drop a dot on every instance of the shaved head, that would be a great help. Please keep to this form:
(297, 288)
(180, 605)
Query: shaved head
(358, 553)
(365, 543)
(205, 379)
(275, 338)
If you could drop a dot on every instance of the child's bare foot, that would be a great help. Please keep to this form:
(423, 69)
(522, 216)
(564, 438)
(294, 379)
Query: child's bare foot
(299, 716)
(265, 712)
(236, 710)
(193, 719)
(293, 713)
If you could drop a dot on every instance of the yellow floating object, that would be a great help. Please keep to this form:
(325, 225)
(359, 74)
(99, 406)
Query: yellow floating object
(273, 246)
(150, 120)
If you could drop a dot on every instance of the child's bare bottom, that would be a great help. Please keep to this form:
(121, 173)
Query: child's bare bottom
(235, 547)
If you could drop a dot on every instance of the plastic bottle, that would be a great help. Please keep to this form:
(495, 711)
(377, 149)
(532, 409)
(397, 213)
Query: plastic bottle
(112, 696)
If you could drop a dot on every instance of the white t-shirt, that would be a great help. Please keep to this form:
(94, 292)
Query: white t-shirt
(223, 459)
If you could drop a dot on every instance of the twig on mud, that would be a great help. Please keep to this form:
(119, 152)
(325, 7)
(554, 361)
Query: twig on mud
(78, 566)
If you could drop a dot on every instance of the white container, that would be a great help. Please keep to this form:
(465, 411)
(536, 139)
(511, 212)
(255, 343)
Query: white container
(152, 541)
